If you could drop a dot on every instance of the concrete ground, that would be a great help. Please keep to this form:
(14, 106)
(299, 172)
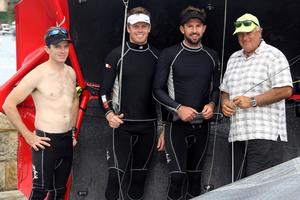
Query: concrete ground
(12, 195)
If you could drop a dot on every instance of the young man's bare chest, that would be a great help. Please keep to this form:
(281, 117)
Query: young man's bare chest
(56, 86)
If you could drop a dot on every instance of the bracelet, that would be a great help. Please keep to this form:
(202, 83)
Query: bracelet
(74, 129)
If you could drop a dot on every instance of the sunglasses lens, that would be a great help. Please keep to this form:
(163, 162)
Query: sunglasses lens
(57, 31)
(63, 31)
(53, 32)
(247, 23)
(237, 24)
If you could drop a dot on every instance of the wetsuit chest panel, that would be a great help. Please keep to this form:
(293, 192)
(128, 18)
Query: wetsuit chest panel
(192, 72)
(137, 79)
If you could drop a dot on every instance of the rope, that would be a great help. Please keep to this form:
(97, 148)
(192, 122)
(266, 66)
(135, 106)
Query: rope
(120, 88)
(219, 104)
(294, 60)
(61, 23)
(122, 54)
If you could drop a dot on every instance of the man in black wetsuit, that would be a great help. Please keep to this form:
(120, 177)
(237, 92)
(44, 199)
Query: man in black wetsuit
(190, 72)
(126, 97)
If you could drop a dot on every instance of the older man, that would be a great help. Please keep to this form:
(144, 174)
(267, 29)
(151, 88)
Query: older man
(256, 83)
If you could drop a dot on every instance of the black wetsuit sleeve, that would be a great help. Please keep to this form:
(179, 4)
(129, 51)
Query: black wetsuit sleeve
(216, 80)
(160, 82)
(107, 82)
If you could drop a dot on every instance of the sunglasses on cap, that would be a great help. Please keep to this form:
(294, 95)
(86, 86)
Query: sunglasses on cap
(58, 31)
(246, 23)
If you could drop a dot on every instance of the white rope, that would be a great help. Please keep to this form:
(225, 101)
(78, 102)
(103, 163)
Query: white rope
(122, 55)
(294, 60)
(120, 86)
(61, 23)
(219, 104)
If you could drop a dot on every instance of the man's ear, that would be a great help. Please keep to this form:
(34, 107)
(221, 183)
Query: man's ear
(46, 49)
(181, 29)
(204, 28)
(127, 28)
(260, 30)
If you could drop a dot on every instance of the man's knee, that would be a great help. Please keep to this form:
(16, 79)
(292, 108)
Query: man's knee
(57, 194)
(137, 184)
(194, 184)
(38, 194)
(113, 184)
(176, 184)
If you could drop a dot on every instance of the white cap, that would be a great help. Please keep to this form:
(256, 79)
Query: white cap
(135, 18)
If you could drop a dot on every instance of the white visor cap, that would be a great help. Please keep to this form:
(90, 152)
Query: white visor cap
(135, 18)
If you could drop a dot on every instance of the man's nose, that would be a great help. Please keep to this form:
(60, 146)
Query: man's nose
(194, 29)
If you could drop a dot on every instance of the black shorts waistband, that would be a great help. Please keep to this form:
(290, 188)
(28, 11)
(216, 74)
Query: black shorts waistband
(42, 133)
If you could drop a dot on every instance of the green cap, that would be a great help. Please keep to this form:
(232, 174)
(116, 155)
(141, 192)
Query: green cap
(242, 23)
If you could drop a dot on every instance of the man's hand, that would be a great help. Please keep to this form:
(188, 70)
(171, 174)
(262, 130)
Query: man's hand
(74, 141)
(208, 111)
(36, 142)
(228, 108)
(242, 102)
(186, 114)
(114, 120)
(161, 141)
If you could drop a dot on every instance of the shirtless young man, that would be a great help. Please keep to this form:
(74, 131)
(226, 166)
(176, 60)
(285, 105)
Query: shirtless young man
(52, 85)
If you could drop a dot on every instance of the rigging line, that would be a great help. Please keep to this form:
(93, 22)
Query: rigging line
(296, 81)
(61, 23)
(240, 173)
(122, 55)
(120, 82)
(287, 67)
(294, 58)
(219, 103)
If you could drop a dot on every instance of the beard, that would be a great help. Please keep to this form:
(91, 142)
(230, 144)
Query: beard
(191, 41)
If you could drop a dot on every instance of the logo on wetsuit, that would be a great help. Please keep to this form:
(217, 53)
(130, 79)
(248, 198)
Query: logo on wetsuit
(105, 103)
(107, 155)
(108, 66)
(35, 173)
(168, 158)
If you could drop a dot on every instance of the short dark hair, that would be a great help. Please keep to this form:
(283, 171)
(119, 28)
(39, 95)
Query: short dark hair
(192, 12)
(138, 10)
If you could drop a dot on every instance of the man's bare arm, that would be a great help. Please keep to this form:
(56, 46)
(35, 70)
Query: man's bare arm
(75, 106)
(272, 96)
(75, 109)
(18, 95)
(75, 103)
(74, 114)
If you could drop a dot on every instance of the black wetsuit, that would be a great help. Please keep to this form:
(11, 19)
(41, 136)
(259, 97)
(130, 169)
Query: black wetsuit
(188, 77)
(133, 142)
(52, 166)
